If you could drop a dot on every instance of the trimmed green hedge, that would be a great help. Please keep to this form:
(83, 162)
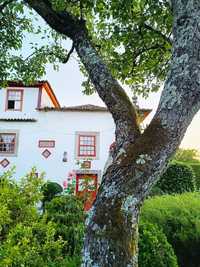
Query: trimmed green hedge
(154, 250)
(178, 178)
(178, 216)
(196, 169)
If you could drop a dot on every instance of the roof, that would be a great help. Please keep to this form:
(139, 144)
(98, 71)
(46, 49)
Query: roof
(19, 119)
(41, 84)
(87, 107)
(143, 113)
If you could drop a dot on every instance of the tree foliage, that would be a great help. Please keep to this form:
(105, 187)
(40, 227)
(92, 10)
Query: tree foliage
(68, 214)
(50, 190)
(25, 45)
(187, 155)
(132, 36)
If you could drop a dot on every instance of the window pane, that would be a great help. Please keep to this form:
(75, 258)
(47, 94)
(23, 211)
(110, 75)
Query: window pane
(11, 104)
(14, 95)
(14, 99)
(87, 145)
(7, 143)
(17, 104)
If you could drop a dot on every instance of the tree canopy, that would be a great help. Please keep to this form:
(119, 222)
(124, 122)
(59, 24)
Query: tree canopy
(132, 36)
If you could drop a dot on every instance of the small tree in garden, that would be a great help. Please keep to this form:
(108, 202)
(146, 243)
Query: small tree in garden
(49, 191)
(67, 212)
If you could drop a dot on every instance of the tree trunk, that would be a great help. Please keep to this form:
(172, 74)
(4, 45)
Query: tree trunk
(112, 233)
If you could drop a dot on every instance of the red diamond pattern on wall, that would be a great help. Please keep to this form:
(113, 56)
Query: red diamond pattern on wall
(46, 153)
(4, 163)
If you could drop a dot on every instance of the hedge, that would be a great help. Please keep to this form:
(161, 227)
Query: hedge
(178, 178)
(154, 249)
(196, 169)
(178, 216)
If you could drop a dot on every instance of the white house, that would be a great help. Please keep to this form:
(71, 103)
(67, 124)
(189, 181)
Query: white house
(36, 131)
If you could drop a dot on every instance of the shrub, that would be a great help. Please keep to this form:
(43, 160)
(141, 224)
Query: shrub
(196, 170)
(178, 217)
(154, 250)
(31, 245)
(18, 201)
(50, 190)
(67, 212)
(26, 237)
(178, 178)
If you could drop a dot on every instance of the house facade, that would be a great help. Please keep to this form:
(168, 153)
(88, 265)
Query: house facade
(35, 131)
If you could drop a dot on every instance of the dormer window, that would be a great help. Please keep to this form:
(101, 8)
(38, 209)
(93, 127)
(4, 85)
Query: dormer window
(14, 99)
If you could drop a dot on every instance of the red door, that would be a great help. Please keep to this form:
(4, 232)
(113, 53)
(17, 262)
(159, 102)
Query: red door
(86, 188)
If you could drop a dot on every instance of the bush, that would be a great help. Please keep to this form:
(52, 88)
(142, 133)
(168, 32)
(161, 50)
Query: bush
(30, 239)
(50, 190)
(179, 218)
(18, 201)
(67, 212)
(34, 245)
(178, 178)
(196, 170)
(154, 250)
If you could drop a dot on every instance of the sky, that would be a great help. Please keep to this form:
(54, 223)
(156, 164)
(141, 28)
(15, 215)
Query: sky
(67, 86)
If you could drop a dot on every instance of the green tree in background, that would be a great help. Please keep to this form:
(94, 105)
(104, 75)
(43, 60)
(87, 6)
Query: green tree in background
(187, 155)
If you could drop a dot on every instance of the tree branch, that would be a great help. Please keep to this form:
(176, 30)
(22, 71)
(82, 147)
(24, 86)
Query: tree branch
(150, 28)
(69, 54)
(110, 91)
(61, 21)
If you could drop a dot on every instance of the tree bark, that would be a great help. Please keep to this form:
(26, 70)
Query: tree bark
(138, 160)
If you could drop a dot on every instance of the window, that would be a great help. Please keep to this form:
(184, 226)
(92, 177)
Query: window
(87, 146)
(14, 100)
(7, 143)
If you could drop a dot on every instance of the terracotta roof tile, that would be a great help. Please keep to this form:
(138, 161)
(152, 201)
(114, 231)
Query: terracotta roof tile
(87, 107)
